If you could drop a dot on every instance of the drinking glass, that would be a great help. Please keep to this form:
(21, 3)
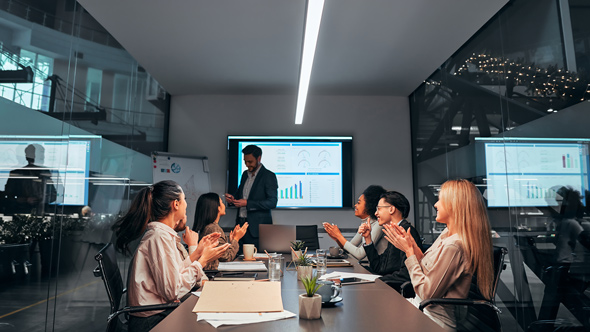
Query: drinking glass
(321, 261)
(274, 268)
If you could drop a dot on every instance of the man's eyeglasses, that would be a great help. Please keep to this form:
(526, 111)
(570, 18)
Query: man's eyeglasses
(383, 206)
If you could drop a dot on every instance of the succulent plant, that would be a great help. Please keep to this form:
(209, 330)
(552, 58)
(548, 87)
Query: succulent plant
(311, 285)
(298, 245)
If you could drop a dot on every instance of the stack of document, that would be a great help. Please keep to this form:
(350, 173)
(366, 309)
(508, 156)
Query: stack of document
(334, 262)
(260, 255)
(242, 266)
(217, 319)
(338, 275)
(233, 303)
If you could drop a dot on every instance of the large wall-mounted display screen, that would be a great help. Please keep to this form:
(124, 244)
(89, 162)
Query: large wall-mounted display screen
(529, 171)
(312, 171)
(66, 161)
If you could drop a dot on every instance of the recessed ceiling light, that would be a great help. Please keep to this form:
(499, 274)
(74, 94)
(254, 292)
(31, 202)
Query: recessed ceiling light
(313, 20)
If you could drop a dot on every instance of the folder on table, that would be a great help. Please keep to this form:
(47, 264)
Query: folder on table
(240, 296)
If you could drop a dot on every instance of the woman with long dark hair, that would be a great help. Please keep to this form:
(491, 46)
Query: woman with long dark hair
(462, 250)
(209, 210)
(162, 271)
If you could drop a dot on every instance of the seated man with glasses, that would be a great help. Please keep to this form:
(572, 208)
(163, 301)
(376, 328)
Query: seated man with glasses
(393, 208)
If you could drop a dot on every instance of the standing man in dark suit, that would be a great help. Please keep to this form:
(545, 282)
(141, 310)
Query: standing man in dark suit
(256, 195)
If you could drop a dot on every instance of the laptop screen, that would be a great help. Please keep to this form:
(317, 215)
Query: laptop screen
(276, 238)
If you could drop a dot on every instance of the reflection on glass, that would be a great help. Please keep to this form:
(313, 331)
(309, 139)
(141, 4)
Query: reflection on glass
(508, 111)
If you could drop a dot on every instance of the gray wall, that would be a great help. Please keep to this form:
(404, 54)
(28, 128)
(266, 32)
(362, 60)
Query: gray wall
(380, 126)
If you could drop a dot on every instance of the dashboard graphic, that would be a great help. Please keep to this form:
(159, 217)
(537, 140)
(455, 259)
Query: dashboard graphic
(309, 174)
(312, 172)
(529, 172)
(67, 160)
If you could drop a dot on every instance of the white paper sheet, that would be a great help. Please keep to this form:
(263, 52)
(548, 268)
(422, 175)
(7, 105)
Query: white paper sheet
(241, 266)
(261, 255)
(234, 318)
(338, 275)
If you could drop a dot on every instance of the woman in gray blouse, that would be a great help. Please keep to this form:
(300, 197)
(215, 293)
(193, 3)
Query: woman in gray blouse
(365, 210)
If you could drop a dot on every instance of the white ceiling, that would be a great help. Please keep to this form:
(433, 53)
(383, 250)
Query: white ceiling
(375, 47)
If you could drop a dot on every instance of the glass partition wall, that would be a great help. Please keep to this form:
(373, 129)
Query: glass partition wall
(510, 111)
(80, 118)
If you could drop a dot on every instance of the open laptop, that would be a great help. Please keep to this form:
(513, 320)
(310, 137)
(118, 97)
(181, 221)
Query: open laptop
(276, 238)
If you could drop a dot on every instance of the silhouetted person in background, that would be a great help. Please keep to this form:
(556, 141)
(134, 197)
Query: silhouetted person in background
(567, 277)
(30, 188)
(86, 212)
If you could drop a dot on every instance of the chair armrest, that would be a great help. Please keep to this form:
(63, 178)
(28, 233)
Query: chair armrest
(142, 308)
(407, 290)
(428, 302)
(97, 271)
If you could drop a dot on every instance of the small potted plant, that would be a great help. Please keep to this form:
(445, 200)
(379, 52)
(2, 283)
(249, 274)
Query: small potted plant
(298, 247)
(310, 303)
(304, 267)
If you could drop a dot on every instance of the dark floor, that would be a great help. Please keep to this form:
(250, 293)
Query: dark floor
(70, 300)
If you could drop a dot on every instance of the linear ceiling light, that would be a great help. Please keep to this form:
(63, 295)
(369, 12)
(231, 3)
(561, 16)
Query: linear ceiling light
(312, 29)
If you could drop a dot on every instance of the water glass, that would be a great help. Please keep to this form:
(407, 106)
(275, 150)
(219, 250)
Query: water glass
(321, 261)
(274, 268)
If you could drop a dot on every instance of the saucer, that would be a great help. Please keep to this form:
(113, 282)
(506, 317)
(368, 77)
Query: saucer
(335, 257)
(332, 302)
(250, 260)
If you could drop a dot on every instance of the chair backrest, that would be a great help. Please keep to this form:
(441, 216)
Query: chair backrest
(481, 318)
(108, 269)
(308, 234)
(499, 266)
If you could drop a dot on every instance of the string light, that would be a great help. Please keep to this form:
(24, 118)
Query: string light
(540, 82)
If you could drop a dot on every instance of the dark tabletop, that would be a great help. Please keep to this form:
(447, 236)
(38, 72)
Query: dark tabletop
(365, 307)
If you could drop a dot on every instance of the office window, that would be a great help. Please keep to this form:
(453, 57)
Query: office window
(93, 88)
(33, 95)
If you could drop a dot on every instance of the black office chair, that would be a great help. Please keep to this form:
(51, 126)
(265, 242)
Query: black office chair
(108, 270)
(309, 235)
(474, 313)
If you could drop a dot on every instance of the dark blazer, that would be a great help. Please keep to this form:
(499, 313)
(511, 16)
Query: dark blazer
(262, 198)
(392, 258)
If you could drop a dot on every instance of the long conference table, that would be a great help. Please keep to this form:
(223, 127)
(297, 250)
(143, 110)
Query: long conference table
(365, 307)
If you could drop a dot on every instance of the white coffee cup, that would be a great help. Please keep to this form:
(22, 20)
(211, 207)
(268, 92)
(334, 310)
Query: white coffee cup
(329, 290)
(249, 251)
(335, 251)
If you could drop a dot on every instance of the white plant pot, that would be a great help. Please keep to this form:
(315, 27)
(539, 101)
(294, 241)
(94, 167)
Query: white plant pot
(304, 271)
(310, 307)
(298, 253)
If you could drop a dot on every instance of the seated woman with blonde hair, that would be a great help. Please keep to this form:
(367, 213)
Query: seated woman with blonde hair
(462, 250)
(209, 210)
